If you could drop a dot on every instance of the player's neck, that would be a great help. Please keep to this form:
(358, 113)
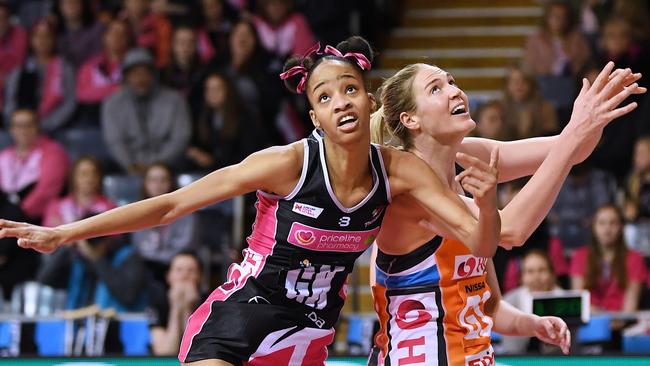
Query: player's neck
(441, 157)
(347, 166)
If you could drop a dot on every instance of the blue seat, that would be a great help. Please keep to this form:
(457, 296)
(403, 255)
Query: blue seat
(5, 335)
(135, 337)
(355, 330)
(122, 189)
(597, 330)
(496, 337)
(81, 141)
(49, 336)
(637, 344)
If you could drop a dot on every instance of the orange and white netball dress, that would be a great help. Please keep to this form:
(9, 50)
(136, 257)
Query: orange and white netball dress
(431, 306)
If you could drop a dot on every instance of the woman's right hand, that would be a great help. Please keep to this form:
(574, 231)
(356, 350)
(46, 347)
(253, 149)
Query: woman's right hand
(480, 179)
(40, 238)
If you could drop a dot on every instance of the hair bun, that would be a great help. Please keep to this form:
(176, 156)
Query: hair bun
(356, 44)
(292, 82)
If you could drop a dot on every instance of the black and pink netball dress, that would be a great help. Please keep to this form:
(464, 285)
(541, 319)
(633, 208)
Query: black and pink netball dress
(281, 302)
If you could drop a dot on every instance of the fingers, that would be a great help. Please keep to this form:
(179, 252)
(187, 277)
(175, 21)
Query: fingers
(18, 232)
(468, 161)
(482, 186)
(613, 86)
(610, 116)
(32, 244)
(11, 224)
(550, 331)
(565, 342)
(563, 334)
(628, 80)
(475, 191)
(619, 98)
(479, 174)
(494, 157)
(603, 77)
(557, 333)
(584, 89)
(566, 345)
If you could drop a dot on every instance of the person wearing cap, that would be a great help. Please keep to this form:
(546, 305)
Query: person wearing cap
(144, 122)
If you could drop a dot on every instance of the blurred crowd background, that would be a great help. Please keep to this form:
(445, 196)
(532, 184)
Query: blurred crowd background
(108, 102)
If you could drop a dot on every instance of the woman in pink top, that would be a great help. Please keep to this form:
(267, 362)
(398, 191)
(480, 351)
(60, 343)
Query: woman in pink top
(100, 76)
(44, 82)
(13, 43)
(613, 274)
(282, 31)
(33, 168)
(152, 31)
(213, 34)
(558, 48)
(85, 197)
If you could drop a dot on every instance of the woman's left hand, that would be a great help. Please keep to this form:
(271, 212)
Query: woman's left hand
(553, 330)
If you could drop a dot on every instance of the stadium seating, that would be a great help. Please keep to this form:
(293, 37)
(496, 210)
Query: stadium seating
(49, 336)
(135, 338)
(122, 189)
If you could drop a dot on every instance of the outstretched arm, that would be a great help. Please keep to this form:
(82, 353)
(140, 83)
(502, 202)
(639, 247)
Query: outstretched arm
(258, 171)
(521, 158)
(411, 175)
(594, 108)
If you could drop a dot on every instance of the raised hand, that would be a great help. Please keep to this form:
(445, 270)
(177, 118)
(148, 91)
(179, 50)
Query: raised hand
(596, 105)
(39, 238)
(553, 330)
(480, 179)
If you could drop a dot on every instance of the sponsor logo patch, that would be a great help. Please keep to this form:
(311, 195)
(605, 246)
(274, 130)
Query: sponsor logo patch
(307, 210)
(466, 266)
(330, 240)
(376, 213)
(305, 237)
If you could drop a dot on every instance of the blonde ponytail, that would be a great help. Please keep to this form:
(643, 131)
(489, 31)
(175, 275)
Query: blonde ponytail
(396, 96)
(377, 127)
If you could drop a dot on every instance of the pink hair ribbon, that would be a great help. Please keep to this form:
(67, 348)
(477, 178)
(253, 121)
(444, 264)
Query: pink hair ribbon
(300, 69)
(359, 58)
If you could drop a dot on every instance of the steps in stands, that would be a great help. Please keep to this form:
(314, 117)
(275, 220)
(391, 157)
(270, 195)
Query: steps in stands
(475, 40)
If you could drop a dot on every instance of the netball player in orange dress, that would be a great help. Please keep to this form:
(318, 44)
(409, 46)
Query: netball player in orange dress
(438, 299)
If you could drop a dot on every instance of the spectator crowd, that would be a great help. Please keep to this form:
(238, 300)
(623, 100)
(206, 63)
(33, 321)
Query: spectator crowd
(150, 89)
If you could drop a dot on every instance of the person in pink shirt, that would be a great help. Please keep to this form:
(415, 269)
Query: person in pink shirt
(100, 76)
(152, 31)
(613, 274)
(85, 197)
(558, 48)
(282, 31)
(45, 82)
(13, 43)
(212, 36)
(33, 169)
